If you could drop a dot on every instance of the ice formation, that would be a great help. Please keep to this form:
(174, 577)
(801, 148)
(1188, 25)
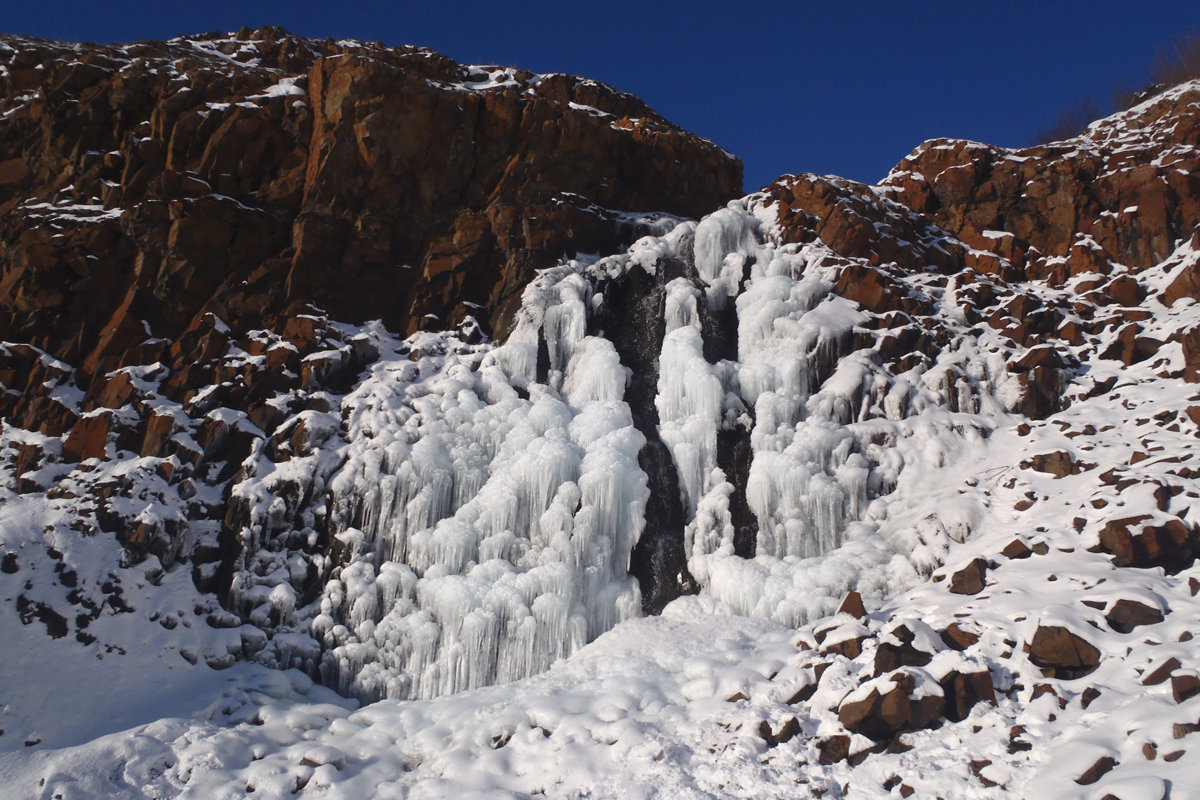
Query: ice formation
(485, 504)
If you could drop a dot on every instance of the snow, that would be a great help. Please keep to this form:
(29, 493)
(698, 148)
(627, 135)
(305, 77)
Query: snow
(285, 88)
(481, 78)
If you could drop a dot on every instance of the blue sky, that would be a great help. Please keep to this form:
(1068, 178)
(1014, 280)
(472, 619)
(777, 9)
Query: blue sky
(834, 87)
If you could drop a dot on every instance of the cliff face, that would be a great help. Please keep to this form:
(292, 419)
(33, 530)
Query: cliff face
(255, 176)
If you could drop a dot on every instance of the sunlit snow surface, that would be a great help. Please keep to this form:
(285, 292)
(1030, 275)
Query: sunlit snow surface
(484, 521)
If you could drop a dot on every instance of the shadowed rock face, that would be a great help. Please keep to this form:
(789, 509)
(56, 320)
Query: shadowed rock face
(632, 319)
(251, 176)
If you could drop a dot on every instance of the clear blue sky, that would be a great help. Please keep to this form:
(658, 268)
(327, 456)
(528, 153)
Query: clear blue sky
(833, 87)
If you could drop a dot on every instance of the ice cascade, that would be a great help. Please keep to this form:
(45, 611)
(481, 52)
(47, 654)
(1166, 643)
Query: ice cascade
(693, 415)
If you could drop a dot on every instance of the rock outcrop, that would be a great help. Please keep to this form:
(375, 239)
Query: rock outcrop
(261, 174)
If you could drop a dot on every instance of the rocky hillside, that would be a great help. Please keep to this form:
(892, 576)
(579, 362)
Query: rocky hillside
(837, 490)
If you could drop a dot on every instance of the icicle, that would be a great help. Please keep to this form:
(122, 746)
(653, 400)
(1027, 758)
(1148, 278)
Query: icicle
(724, 241)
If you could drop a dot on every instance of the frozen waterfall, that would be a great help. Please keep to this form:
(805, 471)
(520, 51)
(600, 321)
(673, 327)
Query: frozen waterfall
(685, 415)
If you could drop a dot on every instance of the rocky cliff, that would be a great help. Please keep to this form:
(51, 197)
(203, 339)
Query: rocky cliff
(904, 469)
(258, 175)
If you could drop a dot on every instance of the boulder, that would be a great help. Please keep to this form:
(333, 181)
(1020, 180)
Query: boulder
(970, 579)
(900, 646)
(1184, 686)
(833, 749)
(965, 689)
(1059, 463)
(1172, 545)
(1186, 284)
(891, 707)
(88, 437)
(775, 735)
(1016, 549)
(1125, 615)
(1162, 672)
(853, 605)
(957, 637)
(1097, 770)
(1061, 653)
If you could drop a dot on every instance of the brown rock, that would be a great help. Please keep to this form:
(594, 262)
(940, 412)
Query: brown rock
(1124, 289)
(853, 605)
(1129, 348)
(774, 736)
(116, 391)
(29, 457)
(1190, 341)
(225, 195)
(964, 690)
(971, 579)
(897, 648)
(88, 438)
(1051, 197)
(1059, 463)
(833, 749)
(1044, 355)
(849, 647)
(14, 170)
(1061, 653)
(1172, 545)
(1186, 284)
(1041, 391)
(1017, 744)
(1016, 549)
(1125, 615)
(302, 333)
(977, 767)
(158, 432)
(331, 370)
(881, 716)
(1096, 771)
(856, 222)
(1161, 672)
(1180, 730)
(1184, 686)
(1043, 689)
(957, 637)
(870, 288)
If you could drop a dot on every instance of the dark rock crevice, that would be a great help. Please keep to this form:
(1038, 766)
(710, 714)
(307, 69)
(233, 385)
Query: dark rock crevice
(631, 317)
